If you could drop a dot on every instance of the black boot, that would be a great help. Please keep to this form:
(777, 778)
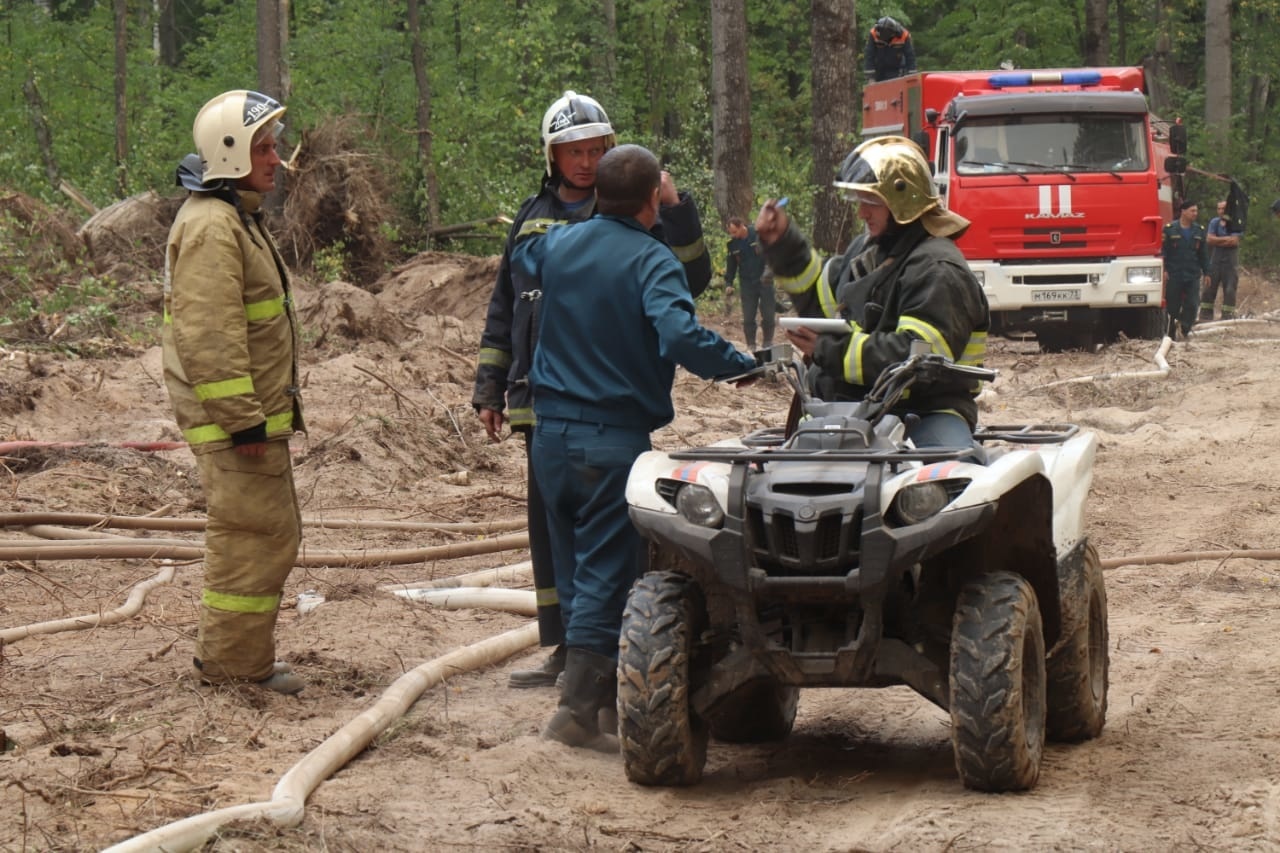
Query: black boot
(590, 682)
(543, 676)
(607, 716)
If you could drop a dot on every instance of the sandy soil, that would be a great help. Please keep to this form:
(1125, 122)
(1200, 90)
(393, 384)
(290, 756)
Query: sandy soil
(110, 736)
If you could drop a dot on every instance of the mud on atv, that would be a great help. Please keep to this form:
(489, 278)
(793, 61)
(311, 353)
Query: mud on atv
(836, 554)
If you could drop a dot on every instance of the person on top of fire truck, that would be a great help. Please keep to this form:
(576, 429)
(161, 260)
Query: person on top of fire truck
(903, 280)
(889, 52)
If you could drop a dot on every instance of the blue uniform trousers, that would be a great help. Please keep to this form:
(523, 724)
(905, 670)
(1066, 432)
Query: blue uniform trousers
(582, 469)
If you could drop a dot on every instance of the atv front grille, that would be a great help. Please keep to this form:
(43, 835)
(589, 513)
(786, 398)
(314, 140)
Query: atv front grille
(783, 544)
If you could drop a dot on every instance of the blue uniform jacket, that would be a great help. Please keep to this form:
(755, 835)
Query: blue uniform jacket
(617, 317)
(511, 324)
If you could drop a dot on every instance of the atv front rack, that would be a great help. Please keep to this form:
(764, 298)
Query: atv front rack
(1027, 433)
(734, 455)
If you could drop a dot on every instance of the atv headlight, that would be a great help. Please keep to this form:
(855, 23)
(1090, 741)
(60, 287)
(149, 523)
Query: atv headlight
(919, 501)
(697, 504)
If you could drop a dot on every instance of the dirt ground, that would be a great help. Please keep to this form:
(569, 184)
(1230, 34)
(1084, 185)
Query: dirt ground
(109, 735)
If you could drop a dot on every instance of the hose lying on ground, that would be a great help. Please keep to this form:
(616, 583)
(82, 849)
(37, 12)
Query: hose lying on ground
(133, 522)
(148, 549)
(288, 801)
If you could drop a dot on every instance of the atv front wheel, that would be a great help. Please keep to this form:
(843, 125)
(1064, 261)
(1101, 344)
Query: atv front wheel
(997, 684)
(663, 741)
(759, 712)
(1078, 667)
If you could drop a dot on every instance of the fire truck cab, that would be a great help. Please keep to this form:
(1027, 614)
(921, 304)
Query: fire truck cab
(1064, 175)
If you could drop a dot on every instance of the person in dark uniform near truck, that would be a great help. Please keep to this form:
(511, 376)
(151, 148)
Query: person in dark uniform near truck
(889, 52)
(1185, 249)
(744, 261)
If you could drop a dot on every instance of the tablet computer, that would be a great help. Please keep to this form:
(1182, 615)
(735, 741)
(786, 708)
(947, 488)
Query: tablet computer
(818, 324)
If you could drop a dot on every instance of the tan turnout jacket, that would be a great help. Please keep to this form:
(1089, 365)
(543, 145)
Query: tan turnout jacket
(229, 335)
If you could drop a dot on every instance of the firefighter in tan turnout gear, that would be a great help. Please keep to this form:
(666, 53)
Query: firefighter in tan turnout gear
(231, 370)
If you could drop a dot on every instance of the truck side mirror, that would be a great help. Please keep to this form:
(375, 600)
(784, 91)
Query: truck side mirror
(1175, 165)
(931, 116)
(1178, 139)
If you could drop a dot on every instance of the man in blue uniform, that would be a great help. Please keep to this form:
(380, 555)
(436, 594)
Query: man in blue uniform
(744, 260)
(1186, 265)
(617, 317)
(576, 133)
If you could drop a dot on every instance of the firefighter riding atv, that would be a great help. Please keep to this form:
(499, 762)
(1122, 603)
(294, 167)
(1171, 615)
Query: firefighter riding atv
(835, 554)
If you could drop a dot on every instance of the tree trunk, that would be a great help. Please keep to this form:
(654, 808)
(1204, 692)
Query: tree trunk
(166, 35)
(1157, 67)
(121, 10)
(731, 111)
(1122, 33)
(273, 74)
(425, 160)
(1097, 33)
(1217, 76)
(273, 37)
(607, 57)
(1258, 126)
(834, 116)
(44, 138)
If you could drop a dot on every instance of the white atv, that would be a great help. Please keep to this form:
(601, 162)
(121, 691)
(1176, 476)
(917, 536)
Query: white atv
(833, 553)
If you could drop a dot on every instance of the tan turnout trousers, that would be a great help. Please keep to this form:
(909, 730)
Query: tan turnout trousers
(251, 544)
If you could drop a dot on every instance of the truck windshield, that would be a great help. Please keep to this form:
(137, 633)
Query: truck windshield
(1075, 144)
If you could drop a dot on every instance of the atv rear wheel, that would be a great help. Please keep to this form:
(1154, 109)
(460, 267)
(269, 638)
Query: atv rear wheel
(663, 741)
(997, 684)
(1078, 667)
(758, 712)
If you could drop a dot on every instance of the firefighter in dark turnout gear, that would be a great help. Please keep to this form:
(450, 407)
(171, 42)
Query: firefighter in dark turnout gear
(576, 133)
(903, 280)
(889, 52)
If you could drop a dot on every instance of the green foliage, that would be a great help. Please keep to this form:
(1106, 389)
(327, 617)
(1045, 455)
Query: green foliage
(330, 263)
(495, 65)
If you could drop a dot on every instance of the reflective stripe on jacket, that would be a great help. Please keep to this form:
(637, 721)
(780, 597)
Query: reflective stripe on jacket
(229, 329)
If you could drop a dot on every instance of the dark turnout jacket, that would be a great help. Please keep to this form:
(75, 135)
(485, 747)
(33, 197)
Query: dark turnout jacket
(917, 287)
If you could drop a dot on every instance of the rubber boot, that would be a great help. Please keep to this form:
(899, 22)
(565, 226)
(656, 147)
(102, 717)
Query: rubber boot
(282, 678)
(607, 716)
(287, 683)
(590, 680)
(543, 676)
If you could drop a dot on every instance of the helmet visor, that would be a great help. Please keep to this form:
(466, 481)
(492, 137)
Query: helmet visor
(582, 131)
(856, 178)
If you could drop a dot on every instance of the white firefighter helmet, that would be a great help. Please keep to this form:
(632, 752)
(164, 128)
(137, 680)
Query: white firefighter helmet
(574, 117)
(225, 128)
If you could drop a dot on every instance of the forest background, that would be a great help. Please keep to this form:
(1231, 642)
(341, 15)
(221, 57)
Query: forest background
(441, 101)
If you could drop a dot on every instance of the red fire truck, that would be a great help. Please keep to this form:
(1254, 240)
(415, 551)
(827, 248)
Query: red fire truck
(1067, 179)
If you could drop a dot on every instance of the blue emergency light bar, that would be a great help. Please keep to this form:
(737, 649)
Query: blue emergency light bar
(1014, 79)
